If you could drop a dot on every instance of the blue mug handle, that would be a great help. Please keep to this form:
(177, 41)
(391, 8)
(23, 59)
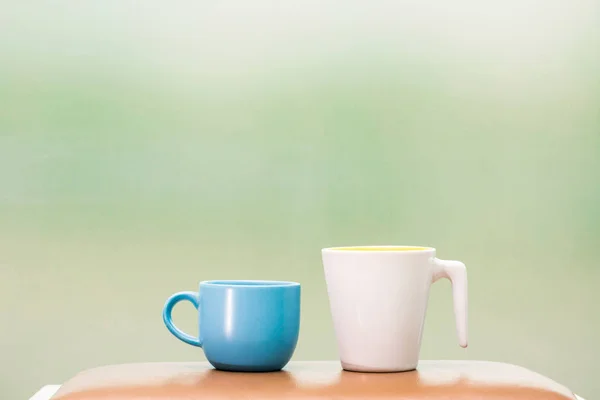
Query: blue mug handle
(192, 297)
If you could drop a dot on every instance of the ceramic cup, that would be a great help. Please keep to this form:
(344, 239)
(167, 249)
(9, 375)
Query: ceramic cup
(378, 298)
(244, 325)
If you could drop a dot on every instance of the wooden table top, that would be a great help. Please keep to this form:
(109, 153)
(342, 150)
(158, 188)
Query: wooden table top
(456, 380)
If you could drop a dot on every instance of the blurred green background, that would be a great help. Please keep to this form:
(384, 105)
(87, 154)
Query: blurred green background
(145, 146)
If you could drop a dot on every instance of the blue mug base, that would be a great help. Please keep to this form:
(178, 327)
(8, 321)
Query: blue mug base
(246, 368)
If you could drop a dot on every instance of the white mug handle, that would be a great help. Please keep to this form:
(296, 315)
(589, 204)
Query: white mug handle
(456, 272)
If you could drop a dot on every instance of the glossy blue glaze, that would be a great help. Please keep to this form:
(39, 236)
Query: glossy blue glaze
(244, 325)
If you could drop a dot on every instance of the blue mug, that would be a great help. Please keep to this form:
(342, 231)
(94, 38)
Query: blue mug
(248, 326)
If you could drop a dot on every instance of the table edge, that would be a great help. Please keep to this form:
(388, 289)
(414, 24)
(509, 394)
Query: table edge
(46, 393)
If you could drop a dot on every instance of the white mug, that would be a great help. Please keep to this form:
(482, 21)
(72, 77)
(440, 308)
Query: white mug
(378, 297)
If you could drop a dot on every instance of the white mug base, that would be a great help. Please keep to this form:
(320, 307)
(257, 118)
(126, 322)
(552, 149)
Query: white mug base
(364, 368)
